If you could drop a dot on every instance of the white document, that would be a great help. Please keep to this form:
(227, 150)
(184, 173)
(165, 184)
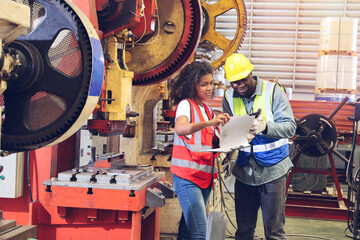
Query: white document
(233, 135)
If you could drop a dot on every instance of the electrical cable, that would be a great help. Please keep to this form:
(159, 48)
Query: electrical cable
(355, 219)
(349, 168)
(137, 42)
(226, 209)
(143, 34)
(28, 175)
(353, 187)
(222, 194)
(347, 228)
(227, 189)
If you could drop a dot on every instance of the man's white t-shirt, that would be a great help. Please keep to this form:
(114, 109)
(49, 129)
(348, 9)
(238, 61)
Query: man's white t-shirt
(183, 109)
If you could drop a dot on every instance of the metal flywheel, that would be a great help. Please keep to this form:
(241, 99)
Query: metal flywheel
(156, 57)
(56, 87)
(211, 34)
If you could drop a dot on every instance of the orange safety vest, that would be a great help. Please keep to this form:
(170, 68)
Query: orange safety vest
(188, 161)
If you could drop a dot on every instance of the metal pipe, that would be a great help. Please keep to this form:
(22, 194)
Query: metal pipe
(338, 107)
(340, 156)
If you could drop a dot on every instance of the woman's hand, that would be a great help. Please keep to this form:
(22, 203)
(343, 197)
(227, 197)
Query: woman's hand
(220, 119)
(183, 127)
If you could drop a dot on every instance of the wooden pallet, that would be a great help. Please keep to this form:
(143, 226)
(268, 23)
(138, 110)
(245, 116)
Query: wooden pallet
(10, 231)
(335, 90)
(336, 52)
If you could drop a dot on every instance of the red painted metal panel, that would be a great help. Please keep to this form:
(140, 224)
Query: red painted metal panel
(303, 108)
(140, 29)
(88, 7)
(78, 197)
(316, 212)
(20, 209)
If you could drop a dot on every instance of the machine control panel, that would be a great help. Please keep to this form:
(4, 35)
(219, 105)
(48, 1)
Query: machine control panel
(11, 175)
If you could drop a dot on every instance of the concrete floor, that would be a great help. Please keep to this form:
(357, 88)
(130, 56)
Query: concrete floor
(296, 228)
(300, 228)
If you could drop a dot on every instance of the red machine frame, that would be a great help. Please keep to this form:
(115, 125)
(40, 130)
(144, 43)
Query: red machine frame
(74, 213)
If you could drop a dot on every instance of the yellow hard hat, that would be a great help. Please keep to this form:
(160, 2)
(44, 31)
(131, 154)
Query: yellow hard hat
(237, 67)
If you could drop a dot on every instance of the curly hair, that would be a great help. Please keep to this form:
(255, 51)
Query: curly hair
(185, 82)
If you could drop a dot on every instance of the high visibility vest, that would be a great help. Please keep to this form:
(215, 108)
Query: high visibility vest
(266, 151)
(188, 161)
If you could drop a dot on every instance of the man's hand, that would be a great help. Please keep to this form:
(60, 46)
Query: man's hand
(226, 158)
(233, 154)
(250, 137)
(258, 126)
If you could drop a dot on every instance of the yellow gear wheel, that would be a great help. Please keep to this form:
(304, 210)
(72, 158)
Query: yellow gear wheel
(209, 34)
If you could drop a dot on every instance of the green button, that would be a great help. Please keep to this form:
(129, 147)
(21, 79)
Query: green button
(2, 177)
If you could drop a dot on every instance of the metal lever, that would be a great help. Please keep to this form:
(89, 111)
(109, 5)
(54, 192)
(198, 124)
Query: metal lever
(338, 107)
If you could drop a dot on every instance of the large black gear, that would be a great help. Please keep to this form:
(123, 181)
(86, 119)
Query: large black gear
(53, 81)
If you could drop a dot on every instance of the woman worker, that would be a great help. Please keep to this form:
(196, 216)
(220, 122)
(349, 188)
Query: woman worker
(192, 167)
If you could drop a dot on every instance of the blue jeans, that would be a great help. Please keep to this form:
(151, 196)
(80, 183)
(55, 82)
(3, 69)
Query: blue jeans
(193, 201)
(271, 198)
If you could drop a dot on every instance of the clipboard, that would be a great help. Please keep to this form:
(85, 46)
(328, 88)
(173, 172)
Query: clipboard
(233, 135)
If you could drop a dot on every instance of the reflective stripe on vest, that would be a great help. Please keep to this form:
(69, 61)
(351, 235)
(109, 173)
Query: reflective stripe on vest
(262, 101)
(192, 165)
(193, 148)
(268, 146)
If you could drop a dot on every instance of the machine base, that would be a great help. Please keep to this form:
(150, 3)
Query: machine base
(315, 206)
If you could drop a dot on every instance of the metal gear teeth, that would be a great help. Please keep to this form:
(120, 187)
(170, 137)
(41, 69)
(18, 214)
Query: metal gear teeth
(156, 75)
(45, 140)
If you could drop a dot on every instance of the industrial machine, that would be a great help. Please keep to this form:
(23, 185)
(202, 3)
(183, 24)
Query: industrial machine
(62, 61)
(316, 136)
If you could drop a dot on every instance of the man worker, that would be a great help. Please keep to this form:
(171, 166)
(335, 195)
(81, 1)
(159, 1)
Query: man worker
(262, 168)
